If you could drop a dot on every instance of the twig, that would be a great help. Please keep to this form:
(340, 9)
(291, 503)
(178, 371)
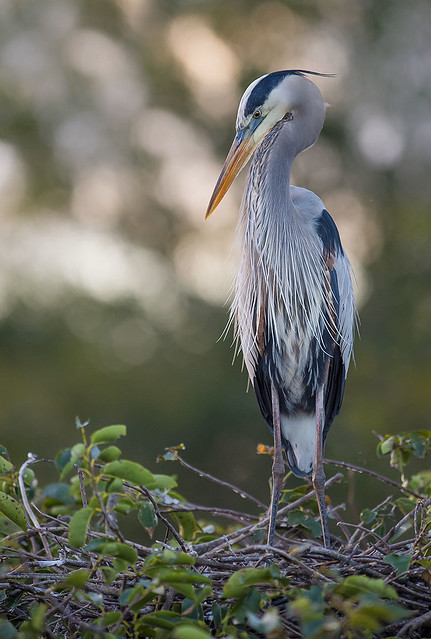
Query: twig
(369, 550)
(27, 507)
(31, 459)
(239, 491)
(396, 527)
(82, 487)
(288, 557)
(162, 518)
(221, 512)
(301, 500)
(414, 623)
(246, 531)
(372, 473)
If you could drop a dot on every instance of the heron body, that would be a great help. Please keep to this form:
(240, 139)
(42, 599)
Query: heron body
(293, 307)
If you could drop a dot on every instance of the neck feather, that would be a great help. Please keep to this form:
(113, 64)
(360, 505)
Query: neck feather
(267, 201)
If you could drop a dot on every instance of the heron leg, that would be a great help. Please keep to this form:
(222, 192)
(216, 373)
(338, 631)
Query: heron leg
(318, 472)
(277, 464)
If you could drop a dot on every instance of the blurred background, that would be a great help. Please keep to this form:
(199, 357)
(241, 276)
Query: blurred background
(115, 117)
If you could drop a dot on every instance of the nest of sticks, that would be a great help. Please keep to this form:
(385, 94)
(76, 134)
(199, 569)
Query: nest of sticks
(43, 557)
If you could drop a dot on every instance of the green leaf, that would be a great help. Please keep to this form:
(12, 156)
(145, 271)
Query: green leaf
(352, 587)
(368, 516)
(315, 620)
(13, 510)
(80, 424)
(37, 615)
(109, 574)
(186, 590)
(73, 455)
(386, 446)
(120, 565)
(406, 504)
(292, 494)
(251, 600)
(78, 526)
(187, 631)
(421, 482)
(163, 482)
(94, 452)
(109, 618)
(167, 558)
(115, 486)
(407, 525)
(372, 616)
(95, 545)
(187, 524)
(110, 453)
(5, 466)
(63, 458)
(112, 548)
(217, 613)
(118, 549)
(76, 578)
(130, 596)
(419, 445)
(399, 458)
(299, 518)
(171, 576)
(146, 515)
(64, 462)
(401, 563)
(77, 451)
(166, 619)
(246, 577)
(7, 631)
(28, 476)
(108, 434)
(59, 492)
(125, 505)
(129, 471)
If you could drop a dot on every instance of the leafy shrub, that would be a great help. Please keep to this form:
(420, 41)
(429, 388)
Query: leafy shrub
(68, 570)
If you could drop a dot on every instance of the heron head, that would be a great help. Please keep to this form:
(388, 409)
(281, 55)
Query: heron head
(283, 96)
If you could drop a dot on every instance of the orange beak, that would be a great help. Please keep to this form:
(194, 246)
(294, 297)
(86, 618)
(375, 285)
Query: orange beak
(238, 156)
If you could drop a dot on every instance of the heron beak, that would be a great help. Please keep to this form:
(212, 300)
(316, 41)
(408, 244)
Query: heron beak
(238, 156)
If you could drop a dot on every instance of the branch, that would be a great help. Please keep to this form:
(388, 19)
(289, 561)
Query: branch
(239, 491)
(372, 473)
(167, 523)
(31, 459)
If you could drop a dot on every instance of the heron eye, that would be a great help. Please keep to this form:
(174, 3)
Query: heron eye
(257, 114)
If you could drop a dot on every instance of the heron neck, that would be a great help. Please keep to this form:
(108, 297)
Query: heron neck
(279, 159)
(269, 181)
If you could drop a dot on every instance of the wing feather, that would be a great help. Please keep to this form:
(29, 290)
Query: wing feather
(342, 308)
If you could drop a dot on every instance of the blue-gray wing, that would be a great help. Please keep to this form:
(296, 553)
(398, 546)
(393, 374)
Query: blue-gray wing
(339, 328)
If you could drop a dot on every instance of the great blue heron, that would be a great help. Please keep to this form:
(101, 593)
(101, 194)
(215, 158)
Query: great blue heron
(293, 308)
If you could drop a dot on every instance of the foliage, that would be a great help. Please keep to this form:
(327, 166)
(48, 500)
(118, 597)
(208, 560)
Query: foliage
(402, 447)
(69, 570)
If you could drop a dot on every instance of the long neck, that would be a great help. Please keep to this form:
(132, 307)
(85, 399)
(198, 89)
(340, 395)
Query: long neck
(267, 205)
